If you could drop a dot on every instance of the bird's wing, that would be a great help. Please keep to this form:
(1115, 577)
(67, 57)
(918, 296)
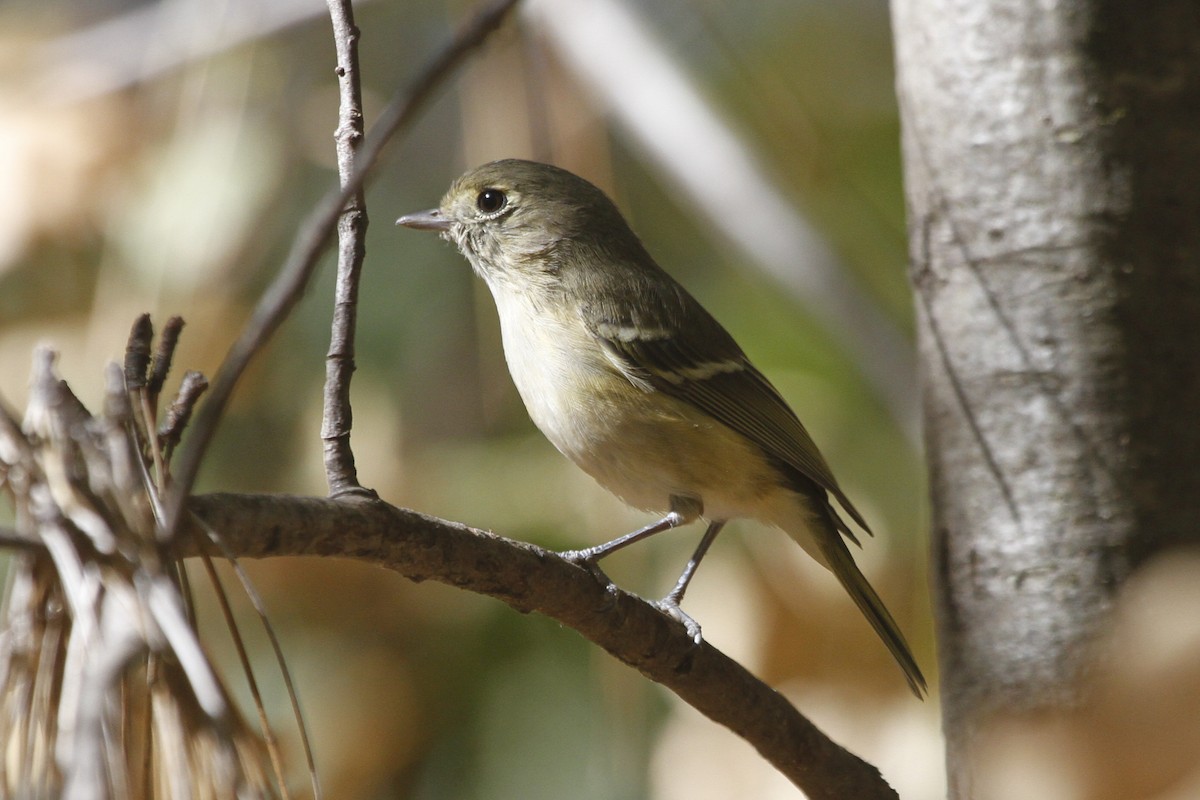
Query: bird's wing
(686, 354)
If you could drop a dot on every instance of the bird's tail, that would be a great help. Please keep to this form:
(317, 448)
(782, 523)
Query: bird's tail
(841, 563)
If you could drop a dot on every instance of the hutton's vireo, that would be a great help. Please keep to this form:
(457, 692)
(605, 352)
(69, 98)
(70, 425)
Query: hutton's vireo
(629, 377)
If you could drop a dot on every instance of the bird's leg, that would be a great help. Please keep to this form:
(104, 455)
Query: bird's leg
(670, 604)
(675, 596)
(683, 511)
(594, 554)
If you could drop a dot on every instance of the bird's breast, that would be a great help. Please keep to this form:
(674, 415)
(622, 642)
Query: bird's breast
(640, 444)
(559, 370)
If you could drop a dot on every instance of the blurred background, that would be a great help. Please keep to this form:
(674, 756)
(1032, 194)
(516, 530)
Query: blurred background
(159, 157)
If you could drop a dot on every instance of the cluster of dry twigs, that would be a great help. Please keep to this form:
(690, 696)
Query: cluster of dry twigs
(105, 688)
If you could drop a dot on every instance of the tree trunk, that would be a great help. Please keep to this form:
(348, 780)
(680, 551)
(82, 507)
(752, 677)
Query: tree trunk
(1052, 167)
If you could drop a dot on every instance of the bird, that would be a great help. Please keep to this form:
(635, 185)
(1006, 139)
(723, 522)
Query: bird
(630, 378)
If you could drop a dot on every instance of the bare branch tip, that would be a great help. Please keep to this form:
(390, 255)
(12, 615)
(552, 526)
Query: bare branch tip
(137, 352)
(193, 385)
(163, 355)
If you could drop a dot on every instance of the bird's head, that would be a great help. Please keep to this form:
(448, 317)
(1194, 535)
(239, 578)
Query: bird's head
(523, 219)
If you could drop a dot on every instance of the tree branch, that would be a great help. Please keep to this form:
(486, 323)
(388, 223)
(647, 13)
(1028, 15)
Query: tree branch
(337, 417)
(529, 578)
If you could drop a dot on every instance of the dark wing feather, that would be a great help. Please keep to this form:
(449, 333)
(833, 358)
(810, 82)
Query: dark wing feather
(685, 353)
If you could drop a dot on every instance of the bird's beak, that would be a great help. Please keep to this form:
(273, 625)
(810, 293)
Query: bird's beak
(431, 220)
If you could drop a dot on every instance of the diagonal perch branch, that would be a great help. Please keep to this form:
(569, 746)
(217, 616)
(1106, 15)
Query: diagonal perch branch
(529, 578)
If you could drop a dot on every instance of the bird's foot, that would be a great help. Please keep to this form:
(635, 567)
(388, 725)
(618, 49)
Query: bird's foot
(587, 560)
(669, 605)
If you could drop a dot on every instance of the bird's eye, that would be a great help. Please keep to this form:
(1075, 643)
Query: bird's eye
(490, 201)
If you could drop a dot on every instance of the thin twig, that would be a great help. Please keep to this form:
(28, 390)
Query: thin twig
(285, 673)
(529, 578)
(270, 740)
(310, 242)
(403, 107)
(10, 539)
(337, 417)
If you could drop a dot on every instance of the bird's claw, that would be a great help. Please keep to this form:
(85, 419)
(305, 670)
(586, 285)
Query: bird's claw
(577, 557)
(670, 606)
(586, 560)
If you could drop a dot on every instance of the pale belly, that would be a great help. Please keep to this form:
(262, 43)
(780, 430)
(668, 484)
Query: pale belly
(643, 446)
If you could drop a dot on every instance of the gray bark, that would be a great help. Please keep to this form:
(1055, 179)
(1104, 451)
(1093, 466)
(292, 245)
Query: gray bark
(1052, 168)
